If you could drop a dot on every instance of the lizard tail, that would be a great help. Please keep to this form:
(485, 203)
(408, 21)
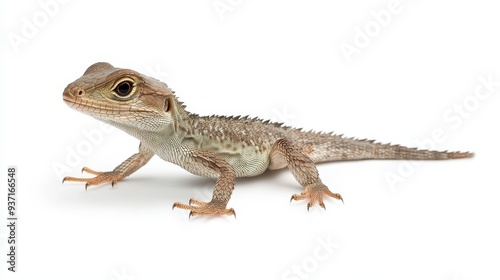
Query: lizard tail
(338, 148)
(388, 151)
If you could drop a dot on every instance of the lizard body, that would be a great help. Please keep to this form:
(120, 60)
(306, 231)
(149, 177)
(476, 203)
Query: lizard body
(214, 146)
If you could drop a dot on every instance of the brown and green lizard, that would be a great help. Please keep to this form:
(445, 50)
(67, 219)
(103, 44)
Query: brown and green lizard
(214, 146)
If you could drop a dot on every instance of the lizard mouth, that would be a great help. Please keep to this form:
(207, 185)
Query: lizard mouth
(101, 109)
(75, 104)
(69, 101)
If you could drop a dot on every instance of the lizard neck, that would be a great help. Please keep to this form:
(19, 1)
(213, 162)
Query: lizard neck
(163, 133)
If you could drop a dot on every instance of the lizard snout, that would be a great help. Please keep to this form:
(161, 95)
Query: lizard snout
(72, 92)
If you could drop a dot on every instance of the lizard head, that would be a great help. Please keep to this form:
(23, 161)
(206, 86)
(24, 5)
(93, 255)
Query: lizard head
(123, 98)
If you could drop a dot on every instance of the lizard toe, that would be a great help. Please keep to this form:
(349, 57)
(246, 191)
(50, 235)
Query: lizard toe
(315, 193)
(100, 178)
(198, 208)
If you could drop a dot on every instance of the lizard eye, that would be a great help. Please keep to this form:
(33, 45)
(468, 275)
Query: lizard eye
(124, 88)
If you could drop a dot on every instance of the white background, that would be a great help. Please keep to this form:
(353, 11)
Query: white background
(274, 59)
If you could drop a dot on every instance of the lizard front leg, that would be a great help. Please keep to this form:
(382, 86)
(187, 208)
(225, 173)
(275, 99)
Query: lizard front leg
(129, 166)
(208, 162)
(303, 169)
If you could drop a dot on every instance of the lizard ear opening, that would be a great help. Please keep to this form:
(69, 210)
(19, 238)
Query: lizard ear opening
(166, 105)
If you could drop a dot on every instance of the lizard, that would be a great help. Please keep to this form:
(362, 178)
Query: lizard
(219, 147)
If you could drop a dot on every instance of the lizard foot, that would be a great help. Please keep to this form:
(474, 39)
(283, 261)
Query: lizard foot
(197, 207)
(315, 192)
(100, 178)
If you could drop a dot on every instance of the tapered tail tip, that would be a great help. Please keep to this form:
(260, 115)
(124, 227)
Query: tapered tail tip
(460, 155)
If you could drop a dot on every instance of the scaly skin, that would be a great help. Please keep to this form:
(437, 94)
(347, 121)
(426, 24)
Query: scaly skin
(214, 146)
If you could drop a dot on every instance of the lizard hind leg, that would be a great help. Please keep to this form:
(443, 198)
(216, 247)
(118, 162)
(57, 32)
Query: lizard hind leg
(303, 169)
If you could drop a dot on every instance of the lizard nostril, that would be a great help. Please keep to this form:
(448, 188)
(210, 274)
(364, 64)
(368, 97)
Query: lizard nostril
(72, 91)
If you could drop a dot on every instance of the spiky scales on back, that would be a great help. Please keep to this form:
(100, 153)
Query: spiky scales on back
(320, 146)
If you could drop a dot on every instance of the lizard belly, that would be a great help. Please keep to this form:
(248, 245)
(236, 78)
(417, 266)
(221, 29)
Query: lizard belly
(246, 160)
